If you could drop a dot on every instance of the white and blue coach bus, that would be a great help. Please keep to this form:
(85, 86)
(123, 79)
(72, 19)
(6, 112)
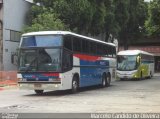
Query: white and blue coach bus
(61, 60)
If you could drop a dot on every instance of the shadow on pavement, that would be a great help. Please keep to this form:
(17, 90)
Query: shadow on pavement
(68, 92)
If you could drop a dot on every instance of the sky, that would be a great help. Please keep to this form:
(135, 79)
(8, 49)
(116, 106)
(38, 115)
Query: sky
(30, 0)
(147, 0)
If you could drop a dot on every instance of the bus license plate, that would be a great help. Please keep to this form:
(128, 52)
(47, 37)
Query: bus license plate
(37, 85)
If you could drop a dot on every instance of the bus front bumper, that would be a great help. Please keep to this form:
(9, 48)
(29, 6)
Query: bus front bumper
(127, 75)
(40, 85)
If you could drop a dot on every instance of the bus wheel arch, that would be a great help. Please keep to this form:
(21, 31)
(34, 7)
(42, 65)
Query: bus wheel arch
(75, 83)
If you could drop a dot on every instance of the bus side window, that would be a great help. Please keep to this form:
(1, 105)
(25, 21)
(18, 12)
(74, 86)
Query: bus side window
(110, 51)
(77, 44)
(85, 46)
(68, 42)
(93, 48)
(106, 50)
(114, 51)
(67, 62)
(100, 49)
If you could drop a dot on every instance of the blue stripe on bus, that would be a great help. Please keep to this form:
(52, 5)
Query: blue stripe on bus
(92, 76)
(39, 76)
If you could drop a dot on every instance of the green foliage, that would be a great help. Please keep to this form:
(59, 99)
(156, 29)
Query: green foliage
(46, 22)
(77, 13)
(130, 15)
(122, 18)
(152, 24)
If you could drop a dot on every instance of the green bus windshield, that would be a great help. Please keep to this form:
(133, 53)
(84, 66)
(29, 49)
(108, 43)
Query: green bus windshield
(126, 62)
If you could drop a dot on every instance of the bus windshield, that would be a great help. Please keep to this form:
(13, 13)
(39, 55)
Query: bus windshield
(126, 62)
(41, 59)
(42, 41)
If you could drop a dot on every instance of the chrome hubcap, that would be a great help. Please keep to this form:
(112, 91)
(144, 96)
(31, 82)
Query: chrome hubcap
(104, 81)
(74, 84)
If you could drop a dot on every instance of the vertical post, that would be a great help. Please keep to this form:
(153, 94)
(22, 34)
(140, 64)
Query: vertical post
(1, 40)
(1, 51)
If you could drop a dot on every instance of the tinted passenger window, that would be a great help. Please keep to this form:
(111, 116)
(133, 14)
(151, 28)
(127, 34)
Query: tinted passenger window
(93, 48)
(76, 44)
(114, 51)
(67, 61)
(85, 46)
(110, 51)
(68, 42)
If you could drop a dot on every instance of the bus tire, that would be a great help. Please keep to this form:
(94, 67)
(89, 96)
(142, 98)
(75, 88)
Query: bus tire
(141, 78)
(150, 75)
(104, 81)
(121, 79)
(38, 91)
(75, 84)
(108, 78)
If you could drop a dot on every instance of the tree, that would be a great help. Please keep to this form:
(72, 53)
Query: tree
(77, 14)
(46, 22)
(152, 24)
(111, 24)
(123, 19)
(130, 19)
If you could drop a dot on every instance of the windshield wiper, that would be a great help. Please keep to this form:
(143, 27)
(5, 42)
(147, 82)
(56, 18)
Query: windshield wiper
(29, 66)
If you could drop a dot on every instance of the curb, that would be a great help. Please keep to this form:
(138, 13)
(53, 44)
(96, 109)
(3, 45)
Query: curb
(8, 84)
(8, 87)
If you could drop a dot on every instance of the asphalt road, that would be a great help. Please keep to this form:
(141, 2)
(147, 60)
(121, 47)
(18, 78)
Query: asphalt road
(122, 96)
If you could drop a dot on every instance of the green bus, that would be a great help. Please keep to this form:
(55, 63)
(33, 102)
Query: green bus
(134, 64)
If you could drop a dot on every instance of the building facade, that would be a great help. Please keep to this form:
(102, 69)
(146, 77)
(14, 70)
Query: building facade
(12, 21)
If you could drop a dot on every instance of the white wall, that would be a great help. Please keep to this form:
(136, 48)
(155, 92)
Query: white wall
(14, 18)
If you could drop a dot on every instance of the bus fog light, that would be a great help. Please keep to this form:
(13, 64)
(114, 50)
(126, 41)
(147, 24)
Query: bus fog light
(56, 85)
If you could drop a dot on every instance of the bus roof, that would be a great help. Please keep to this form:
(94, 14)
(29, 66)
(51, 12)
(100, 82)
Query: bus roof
(63, 33)
(133, 52)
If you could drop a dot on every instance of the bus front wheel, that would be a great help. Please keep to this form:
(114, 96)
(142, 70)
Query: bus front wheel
(38, 91)
(75, 84)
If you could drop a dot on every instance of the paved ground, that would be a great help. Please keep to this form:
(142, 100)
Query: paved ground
(121, 96)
